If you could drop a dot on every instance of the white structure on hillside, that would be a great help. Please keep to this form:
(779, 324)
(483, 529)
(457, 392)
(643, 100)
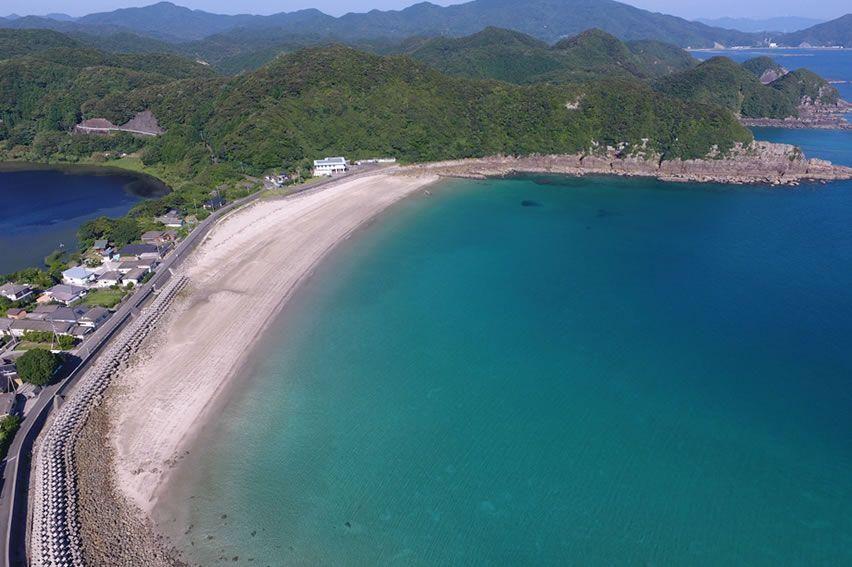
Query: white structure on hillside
(330, 165)
(78, 276)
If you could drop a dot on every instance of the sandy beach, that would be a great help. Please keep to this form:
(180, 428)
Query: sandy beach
(241, 276)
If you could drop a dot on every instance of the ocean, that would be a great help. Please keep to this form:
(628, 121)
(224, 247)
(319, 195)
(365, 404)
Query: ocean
(43, 208)
(551, 371)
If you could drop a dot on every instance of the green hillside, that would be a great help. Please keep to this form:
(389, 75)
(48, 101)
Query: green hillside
(517, 58)
(806, 87)
(722, 82)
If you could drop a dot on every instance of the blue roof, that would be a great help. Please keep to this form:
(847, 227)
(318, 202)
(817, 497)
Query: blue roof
(76, 272)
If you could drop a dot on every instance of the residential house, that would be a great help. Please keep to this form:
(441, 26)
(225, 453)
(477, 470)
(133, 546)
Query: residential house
(42, 312)
(78, 276)
(66, 294)
(16, 313)
(139, 252)
(109, 279)
(15, 292)
(171, 219)
(5, 324)
(21, 327)
(215, 203)
(124, 267)
(94, 317)
(134, 276)
(100, 245)
(66, 315)
(330, 166)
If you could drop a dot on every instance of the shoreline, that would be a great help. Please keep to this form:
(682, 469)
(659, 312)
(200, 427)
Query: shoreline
(759, 163)
(242, 276)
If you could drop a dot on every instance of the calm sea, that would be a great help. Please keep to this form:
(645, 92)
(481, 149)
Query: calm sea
(43, 208)
(552, 371)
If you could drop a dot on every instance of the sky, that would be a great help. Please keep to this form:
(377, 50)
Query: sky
(690, 9)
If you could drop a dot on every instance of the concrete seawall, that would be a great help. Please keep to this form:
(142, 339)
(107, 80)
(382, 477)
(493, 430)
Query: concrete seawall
(56, 527)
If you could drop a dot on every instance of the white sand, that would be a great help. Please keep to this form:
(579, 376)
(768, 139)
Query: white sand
(241, 275)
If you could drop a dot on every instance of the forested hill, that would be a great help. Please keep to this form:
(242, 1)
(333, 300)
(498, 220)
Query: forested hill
(332, 100)
(549, 20)
(722, 82)
(833, 33)
(518, 58)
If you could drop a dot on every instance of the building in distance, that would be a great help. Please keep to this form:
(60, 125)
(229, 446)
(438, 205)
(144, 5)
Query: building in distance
(330, 166)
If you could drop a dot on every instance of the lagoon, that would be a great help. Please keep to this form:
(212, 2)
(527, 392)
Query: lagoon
(42, 208)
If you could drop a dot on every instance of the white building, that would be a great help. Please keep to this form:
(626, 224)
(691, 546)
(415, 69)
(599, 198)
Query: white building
(78, 276)
(329, 166)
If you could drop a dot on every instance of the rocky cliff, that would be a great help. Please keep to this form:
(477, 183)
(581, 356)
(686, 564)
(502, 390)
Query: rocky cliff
(759, 162)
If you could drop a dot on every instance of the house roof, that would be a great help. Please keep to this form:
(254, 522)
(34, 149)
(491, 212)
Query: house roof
(152, 234)
(13, 288)
(5, 324)
(137, 249)
(95, 314)
(66, 315)
(331, 161)
(110, 276)
(77, 272)
(135, 274)
(64, 292)
(59, 327)
(100, 244)
(46, 308)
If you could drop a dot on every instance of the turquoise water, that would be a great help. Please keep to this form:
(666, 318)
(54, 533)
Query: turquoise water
(43, 208)
(551, 371)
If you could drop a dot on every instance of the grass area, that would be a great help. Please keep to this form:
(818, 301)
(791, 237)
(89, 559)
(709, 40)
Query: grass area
(8, 426)
(108, 298)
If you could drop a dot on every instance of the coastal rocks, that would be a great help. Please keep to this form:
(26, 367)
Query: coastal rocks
(758, 162)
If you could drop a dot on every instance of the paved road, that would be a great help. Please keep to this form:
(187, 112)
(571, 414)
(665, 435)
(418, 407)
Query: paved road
(15, 471)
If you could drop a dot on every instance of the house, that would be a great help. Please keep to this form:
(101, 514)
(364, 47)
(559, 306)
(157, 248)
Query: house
(66, 294)
(16, 313)
(65, 315)
(100, 245)
(21, 327)
(95, 126)
(139, 252)
(42, 312)
(159, 237)
(5, 324)
(80, 331)
(15, 292)
(94, 317)
(135, 276)
(129, 265)
(215, 203)
(7, 404)
(171, 219)
(78, 275)
(109, 279)
(329, 166)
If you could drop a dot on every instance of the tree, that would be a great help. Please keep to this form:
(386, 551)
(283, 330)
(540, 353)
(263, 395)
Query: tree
(37, 366)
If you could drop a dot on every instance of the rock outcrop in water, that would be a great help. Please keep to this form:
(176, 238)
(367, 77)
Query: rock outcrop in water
(759, 162)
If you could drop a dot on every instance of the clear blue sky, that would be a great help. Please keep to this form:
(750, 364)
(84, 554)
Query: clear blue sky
(686, 8)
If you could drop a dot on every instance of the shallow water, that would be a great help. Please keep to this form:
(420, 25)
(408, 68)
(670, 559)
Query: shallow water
(43, 208)
(625, 372)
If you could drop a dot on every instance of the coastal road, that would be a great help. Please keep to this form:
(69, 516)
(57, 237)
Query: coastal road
(15, 470)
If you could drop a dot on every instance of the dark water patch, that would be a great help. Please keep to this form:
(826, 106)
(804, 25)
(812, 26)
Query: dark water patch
(529, 203)
(43, 206)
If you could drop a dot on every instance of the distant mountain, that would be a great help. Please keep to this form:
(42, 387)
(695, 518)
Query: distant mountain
(780, 24)
(518, 58)
(834, 33)
(548, 20)
(60, 17)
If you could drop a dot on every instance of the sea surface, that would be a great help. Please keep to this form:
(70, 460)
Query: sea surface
(551, 371)
(43, 208)
(832, 64)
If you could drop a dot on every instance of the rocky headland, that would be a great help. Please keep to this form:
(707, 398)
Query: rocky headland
(759, 162)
